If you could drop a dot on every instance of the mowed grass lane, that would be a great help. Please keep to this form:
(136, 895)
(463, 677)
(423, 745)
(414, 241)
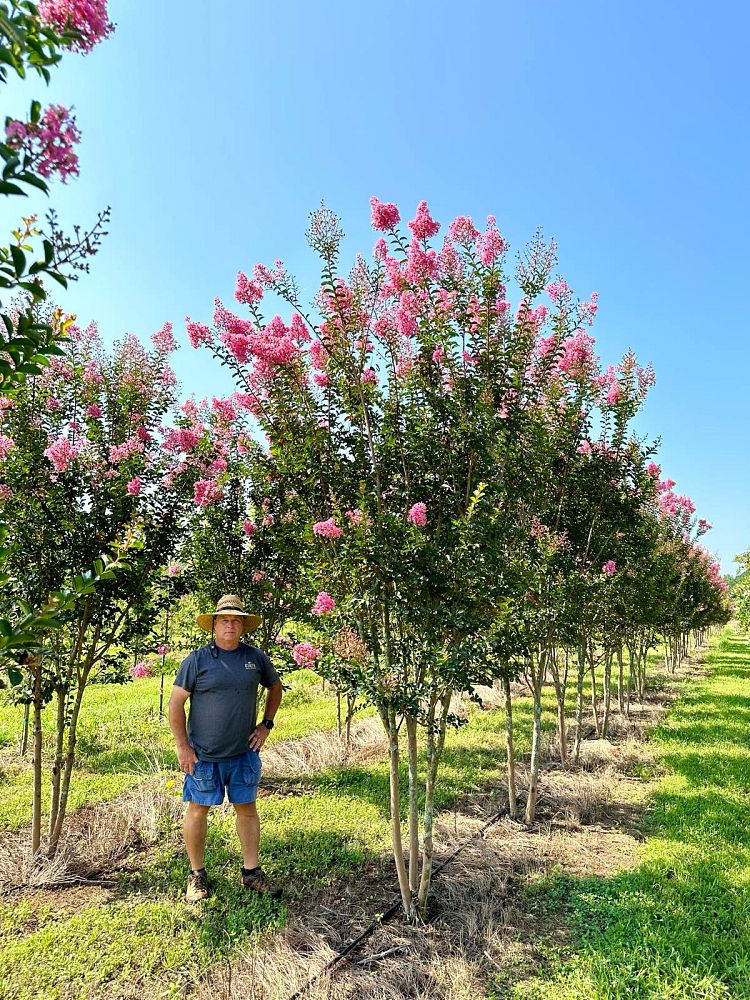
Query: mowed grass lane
(677, 928)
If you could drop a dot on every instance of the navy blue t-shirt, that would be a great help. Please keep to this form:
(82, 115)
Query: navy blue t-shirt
(223, 697)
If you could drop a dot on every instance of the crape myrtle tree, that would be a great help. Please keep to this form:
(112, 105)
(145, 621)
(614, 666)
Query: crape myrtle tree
(33, 40)
(90, 466)
(402, 418)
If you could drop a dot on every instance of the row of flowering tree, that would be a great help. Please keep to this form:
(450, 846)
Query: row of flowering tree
(444, 486)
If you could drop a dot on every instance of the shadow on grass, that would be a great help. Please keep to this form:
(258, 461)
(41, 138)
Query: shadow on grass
(680, 925)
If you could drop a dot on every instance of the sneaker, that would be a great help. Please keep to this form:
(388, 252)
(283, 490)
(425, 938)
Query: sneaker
(198, 888)
(258, 881)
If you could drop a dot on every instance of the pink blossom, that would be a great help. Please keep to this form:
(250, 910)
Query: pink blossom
(134, 487)
(163, 340)
(327, 529)
(438, 354)
(7, 444)
(224, 409)
(578, 354)
(259, 575)
(248, 527)
(324, 604)
(305, 655)
(369, 377)
(94, 412)
(119, 452)
(174, 569)
(653, 470)
(198, 333)
(163, 649)
(321, 380)
(418, 515)
(61, 453)
(355, 517)
(610, 567)
(559, 290)
(5, 491)
(88, 17)
(584, 448)
(463, 230)
(384, 215)
(268, 521)
(49, 143)
(423, 226)
(53, 404)
(380, 250)
(141, 669)
(206, 492)
(490, 244)
(247, 291)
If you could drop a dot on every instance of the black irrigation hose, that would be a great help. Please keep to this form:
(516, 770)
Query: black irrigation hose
(389, 913)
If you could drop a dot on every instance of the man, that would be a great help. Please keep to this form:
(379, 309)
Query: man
(218, 749)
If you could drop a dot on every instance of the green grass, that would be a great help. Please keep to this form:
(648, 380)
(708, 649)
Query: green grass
(679, 926)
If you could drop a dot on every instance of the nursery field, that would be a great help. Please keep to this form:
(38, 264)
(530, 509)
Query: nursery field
(574, 906)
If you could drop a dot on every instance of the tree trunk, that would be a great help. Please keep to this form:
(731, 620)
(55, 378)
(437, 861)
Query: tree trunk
(620, 681)
(560, 681)
(71, 753)
(536, 675)
(389, 721)
(24, 743)
(607, 692)
(509, 751)
(411, 738)
(36, 808)
(579, 702)
(435, 744)
(61, 697)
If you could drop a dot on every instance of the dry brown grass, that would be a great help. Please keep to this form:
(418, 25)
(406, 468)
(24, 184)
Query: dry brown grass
(95, 839)
(326, 749)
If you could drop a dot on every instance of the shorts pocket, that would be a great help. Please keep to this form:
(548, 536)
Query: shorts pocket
(204, 777)
(250, 769)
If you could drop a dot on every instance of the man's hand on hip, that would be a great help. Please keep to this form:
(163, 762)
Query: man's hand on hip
(258, 737)
(187, 758)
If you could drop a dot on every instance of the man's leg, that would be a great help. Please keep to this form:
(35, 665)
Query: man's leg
(194, 829)
(248, 830)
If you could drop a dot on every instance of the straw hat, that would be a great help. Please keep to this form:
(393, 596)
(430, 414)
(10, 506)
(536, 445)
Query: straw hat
(229, 604)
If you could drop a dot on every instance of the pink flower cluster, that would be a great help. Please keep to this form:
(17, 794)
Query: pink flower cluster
(304, 654)
(61, 453)
(141, 669)
(206, 492)
(418, 515)
(384, 215)
(174, 569)
(134, 486)
(88, 17)
(7, 444)
(609, 568)
(324, 604)
(163, 340)
(247, 291)
(327, 529)
(49, 143)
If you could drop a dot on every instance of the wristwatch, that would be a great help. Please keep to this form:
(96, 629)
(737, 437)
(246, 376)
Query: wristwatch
(268, 723)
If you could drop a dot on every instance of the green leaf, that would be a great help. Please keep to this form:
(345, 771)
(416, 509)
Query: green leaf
(7, 188)
(19, 260)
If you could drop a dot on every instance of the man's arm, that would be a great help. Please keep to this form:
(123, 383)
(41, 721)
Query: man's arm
(259, 735)
(185, 753)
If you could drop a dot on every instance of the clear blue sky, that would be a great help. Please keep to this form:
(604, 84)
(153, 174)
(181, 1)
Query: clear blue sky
(212, 129)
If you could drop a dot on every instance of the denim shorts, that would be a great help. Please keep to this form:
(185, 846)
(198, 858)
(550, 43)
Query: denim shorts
(238, 776)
